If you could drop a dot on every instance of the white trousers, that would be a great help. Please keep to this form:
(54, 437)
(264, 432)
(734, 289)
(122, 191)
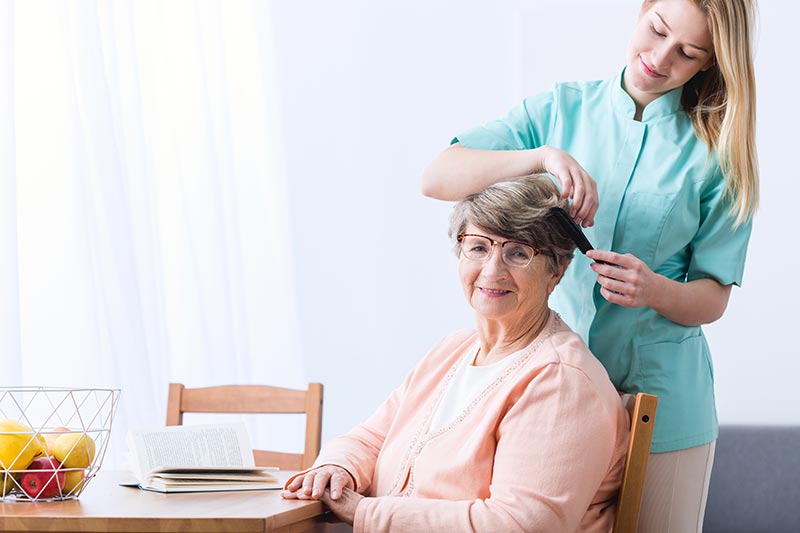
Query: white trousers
(675, 490)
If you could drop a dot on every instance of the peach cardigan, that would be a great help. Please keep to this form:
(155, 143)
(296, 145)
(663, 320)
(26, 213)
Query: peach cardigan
(540, 449)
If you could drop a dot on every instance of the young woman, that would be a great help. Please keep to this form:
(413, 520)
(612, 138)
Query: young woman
(660, 163)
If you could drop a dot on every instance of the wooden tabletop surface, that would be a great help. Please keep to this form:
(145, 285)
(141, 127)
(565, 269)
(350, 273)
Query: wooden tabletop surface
(105, 506)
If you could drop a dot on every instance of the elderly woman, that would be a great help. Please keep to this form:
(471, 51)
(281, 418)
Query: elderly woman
(514, 426)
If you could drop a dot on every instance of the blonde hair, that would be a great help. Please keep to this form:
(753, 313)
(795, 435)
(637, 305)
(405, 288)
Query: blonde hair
(721, 101)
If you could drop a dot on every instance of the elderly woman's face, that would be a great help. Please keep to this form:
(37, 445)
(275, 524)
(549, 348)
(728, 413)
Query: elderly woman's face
(498, 291)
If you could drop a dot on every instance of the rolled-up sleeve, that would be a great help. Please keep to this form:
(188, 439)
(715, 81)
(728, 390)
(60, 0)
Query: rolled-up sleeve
(718, 249)
(526, 126)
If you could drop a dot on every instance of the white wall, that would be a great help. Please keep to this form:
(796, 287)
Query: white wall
(372, 91)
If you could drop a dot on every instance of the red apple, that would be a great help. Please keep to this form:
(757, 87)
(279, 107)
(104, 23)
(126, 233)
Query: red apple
(39, 481)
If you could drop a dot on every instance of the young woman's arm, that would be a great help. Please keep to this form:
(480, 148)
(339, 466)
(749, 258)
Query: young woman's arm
(459, 171)
(626, 280)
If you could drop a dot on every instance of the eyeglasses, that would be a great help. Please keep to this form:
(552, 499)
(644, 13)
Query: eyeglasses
(479, 248)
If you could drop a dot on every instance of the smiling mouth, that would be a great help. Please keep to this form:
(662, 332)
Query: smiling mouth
(650, 72)
(494, 291)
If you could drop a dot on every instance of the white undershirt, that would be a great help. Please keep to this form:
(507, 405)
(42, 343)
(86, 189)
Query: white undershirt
(467, 383)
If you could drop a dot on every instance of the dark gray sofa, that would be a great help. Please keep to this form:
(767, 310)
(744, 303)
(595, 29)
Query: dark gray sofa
(755, 483)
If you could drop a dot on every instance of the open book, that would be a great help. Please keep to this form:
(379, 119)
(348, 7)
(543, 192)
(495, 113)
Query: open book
(214, 457)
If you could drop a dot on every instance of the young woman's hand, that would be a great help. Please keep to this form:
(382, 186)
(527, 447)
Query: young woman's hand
(575, 184)
(624, 278)
(312, 484)
(627, 281)
(344, 507)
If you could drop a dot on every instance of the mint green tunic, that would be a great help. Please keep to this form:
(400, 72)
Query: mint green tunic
(661, 199)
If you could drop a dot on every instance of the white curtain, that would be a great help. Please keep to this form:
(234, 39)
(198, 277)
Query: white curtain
(144, 233)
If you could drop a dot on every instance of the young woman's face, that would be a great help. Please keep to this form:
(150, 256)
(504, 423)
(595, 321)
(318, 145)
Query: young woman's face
(670, 45)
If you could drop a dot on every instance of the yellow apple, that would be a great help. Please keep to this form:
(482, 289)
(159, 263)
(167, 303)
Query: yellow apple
(73, 479)
(74, 450)
(9, 485)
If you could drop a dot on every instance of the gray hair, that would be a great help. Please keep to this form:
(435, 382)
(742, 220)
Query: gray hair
(518, 210)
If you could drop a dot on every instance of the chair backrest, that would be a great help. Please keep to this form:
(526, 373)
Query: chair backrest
(643, 416)
(255, 399)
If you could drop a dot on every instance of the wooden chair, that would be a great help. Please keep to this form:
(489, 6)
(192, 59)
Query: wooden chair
(643, 416)
(255, 399)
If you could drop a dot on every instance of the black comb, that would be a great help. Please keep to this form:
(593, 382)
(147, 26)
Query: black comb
(572, 229)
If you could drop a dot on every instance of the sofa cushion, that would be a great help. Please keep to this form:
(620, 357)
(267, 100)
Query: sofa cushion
(755, 482)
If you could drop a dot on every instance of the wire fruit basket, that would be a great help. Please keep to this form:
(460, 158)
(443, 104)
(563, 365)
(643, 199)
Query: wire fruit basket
(52, 440)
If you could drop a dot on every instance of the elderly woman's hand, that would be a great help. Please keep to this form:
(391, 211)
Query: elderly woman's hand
(344, 507)
(575, 183)
(312, 484)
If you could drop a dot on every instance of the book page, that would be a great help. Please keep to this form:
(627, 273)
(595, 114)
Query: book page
(215, 445)
(161, 486)
(192, 475)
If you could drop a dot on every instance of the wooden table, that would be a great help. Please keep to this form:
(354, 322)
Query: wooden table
(107, 507)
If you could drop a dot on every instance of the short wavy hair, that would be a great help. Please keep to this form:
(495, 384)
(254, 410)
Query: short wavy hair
(518, 210)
